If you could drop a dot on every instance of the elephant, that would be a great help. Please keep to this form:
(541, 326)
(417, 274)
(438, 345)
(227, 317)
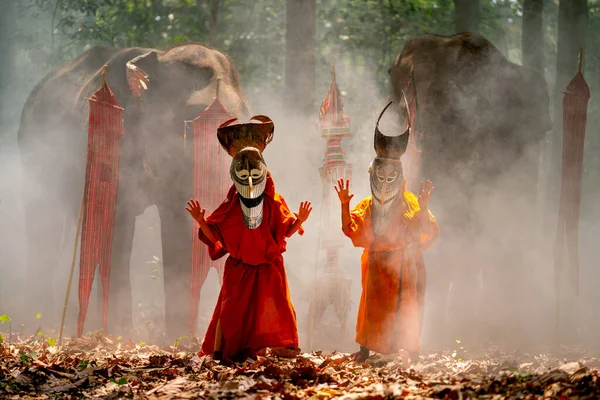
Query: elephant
(153, 167)
(479, 121)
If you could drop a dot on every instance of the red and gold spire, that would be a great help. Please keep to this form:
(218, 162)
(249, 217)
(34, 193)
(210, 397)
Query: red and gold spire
(332, 118)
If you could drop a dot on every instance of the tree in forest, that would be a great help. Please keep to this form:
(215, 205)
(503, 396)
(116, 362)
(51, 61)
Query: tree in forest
(466, 15)
(300, 55)
(6, 60)
(532, 36)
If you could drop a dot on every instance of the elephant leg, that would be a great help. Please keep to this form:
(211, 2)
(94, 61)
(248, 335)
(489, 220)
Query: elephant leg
(120, 282)
(176, 246)
(197, 278)
(44, 219)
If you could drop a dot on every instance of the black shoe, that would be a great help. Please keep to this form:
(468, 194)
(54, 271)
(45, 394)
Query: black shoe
(362, 355)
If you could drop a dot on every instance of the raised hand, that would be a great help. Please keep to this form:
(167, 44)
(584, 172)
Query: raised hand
(196, 212)
(304, 212)
(343, 191)
(424, 193)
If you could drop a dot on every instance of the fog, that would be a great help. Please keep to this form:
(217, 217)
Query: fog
(484, 301)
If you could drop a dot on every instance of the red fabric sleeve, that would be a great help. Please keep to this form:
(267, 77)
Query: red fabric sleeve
(282, 219)
(215, 250)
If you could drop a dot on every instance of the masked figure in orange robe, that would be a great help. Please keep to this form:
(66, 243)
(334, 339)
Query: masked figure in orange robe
(253, 311)
(394, 227)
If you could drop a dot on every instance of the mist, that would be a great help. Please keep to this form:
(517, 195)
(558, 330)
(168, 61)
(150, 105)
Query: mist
(475, 293)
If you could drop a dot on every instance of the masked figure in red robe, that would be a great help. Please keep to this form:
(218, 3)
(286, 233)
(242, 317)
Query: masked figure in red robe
(394, 227)
(253, 311)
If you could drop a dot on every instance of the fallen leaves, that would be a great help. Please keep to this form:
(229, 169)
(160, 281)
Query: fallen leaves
(105, 368)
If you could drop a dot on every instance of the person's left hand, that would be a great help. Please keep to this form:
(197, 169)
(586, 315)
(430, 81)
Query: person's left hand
(304, 212)
(425, 193)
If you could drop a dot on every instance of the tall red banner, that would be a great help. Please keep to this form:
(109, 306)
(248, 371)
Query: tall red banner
(102, 175)
(575, 103)
(211, 184)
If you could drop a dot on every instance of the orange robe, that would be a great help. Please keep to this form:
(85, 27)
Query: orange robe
(254, 306)
(388, 315)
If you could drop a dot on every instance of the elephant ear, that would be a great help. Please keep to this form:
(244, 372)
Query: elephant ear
(137, 78)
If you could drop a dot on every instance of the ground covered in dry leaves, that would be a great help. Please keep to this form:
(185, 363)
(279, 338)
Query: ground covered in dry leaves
(101, 367)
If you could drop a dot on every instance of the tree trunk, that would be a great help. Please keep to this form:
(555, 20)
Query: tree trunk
(6, 64)
(466, 15)
(533, 38)
(572, 31)
(157, 6)
(214, 15)
(300, 56)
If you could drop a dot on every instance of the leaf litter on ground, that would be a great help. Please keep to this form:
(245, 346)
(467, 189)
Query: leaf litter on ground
(102, 367)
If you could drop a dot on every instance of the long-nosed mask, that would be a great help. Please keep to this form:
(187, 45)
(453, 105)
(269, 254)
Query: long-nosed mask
(249, 174)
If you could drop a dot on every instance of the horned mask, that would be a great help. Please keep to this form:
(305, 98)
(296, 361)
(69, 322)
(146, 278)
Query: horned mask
(385, 171)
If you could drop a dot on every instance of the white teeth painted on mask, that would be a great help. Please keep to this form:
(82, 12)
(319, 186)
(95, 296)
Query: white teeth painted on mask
(252, 215)
(244, 190)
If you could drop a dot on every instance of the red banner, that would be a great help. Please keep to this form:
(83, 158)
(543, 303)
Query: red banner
(211, 184)
(575, 101)
(102, 175)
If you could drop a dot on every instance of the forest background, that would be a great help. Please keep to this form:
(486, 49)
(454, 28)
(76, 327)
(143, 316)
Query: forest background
(364, 36)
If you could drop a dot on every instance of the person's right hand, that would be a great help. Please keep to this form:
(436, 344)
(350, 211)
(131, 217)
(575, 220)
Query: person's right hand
(196, 211)
(343, 192)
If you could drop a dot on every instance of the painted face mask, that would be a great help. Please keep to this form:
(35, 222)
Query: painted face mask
(249, 174)
(385, 173)
(245, 144)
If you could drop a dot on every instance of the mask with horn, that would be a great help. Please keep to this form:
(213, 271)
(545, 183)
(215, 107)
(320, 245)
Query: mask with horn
(245, 144)
(386, 175)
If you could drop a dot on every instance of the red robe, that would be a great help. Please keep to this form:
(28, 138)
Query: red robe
(392, 266)
(254, 306)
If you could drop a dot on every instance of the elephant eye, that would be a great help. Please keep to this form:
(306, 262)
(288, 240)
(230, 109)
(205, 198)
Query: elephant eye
(256, 173)
(242, 174)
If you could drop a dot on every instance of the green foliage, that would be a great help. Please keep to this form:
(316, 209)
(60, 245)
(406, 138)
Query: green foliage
(370, 33)
(51, 342)
(5, 319)
(177, 341)
(455, 353)
(120, 381)
(1, 339)
(27, 357)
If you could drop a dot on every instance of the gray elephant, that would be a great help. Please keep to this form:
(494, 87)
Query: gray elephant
(153, 168)
(479, 123)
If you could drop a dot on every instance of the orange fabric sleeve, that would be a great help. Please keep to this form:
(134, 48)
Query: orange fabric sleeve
(359, 230)
(427, 239)
(413, 212)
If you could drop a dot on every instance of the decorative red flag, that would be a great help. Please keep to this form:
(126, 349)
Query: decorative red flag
(211, 184)
(575, 101)
(102, 175)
